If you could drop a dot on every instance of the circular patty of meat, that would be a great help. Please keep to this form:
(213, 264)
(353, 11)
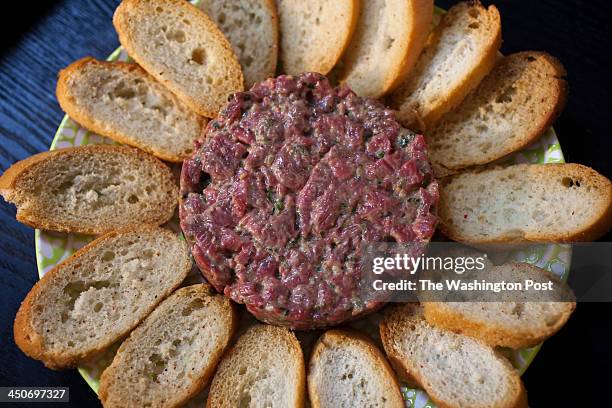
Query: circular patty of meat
(287, 183)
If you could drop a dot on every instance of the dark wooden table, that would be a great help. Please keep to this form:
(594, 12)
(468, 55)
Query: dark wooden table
(573, 367)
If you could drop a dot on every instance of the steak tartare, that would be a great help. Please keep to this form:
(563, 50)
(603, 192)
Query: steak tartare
(287, 183)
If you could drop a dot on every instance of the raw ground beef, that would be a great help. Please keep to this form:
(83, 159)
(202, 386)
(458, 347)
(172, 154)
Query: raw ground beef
(286, 185)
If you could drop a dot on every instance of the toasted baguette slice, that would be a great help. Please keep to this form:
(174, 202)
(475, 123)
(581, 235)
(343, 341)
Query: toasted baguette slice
(265, 368)
(509, 322)
(526, 202)
(388, 39)
(90, 189)
(348, 370)
(173, 354)
(123, 102)
(182, 48)
(315, 33)
(252, 29)
(460, 52)
(99, 294)
(512, 107)
(456, 371)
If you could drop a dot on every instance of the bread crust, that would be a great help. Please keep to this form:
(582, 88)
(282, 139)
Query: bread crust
(200, 380)
(10, 180)
(26, 335)
(417, 14)
(442, 315)
(597, 227)
(422, 13)
(448, 319)
(208, 108)
(422, 121)
(270, 54)
(560, 93)
(345, 337)
(270, 5)
(556, 89)
(69, 106)
(388, 335)
(324, 62)
(214, 397)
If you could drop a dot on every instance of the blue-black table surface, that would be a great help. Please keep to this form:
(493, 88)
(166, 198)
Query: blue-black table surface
(573, 367)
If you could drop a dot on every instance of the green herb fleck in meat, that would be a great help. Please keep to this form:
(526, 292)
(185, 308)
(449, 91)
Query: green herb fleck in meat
(278, 206)
(277, 203)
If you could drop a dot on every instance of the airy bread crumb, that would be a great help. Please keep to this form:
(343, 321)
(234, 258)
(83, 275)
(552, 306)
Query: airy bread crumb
(90, 189)
(172, 355)
(98, 295)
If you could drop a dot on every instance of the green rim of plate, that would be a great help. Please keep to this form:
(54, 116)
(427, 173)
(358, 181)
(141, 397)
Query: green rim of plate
(52, 248)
